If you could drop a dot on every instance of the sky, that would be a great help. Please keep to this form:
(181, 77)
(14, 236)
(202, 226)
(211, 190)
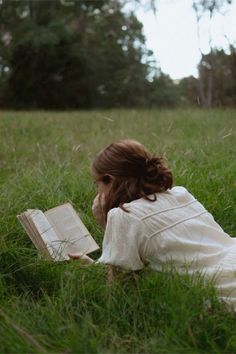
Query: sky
(173, 37)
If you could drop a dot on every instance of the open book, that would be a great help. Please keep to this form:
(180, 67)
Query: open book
(57, 232)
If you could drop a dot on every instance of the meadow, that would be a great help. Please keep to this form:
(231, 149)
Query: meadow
(47, 307)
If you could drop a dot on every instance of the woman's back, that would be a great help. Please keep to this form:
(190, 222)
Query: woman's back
(174, 230)
(179, 229)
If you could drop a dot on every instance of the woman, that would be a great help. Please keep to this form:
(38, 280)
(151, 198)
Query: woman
(147, 221)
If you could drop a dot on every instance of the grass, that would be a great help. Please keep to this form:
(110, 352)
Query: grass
(69, 308)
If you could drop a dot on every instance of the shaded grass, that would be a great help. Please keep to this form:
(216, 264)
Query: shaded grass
(147, 313)
(67, 308)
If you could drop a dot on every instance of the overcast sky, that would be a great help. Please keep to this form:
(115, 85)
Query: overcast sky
(172, 35)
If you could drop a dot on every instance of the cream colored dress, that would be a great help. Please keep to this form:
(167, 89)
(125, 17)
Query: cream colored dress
(175, 228)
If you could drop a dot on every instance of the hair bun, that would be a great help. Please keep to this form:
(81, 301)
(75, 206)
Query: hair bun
(153, 161)
(153, 165)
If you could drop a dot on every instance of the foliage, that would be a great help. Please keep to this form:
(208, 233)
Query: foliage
(189, 90)
(84, 55)
(222, 68)
(216, 85)
(69, 308)
(211, 6)
(163, 92)
(209, 76)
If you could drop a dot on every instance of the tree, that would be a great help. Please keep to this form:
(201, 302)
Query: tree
(188, 91)
(162, 92)
(223, 68)
(69, 54)
(209, 7)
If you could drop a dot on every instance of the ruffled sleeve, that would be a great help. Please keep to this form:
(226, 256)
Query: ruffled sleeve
(123, 241)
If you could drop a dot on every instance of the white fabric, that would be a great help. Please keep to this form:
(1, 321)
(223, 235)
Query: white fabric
(176, 228)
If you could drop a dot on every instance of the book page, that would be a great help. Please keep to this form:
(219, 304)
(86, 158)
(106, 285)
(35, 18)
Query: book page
(70, 229)
(47, 233)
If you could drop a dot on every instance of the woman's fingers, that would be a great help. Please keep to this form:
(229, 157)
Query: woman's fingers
(75, 255)
(83, 257)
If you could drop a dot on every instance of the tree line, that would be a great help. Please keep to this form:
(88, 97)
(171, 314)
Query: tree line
(66, 54)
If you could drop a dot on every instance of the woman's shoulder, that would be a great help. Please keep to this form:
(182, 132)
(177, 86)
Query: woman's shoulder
(120, 214)
(160, 201)
(120, 220)
(179, 190)
(138, 208)
(181, 194)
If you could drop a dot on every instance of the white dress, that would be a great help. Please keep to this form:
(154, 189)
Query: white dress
(175, 228)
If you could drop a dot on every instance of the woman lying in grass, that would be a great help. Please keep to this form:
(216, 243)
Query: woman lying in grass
(149, 222)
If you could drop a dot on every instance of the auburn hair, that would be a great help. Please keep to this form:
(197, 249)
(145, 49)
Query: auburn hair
(132, 171)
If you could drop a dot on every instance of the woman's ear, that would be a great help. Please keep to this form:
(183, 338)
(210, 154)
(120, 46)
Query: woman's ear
(107, 179)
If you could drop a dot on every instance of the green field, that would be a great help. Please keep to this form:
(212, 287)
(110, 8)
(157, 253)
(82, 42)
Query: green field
(69, 308)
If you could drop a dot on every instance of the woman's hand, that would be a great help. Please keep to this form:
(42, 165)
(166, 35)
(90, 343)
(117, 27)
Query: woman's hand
(81, 256)
(98, 209)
